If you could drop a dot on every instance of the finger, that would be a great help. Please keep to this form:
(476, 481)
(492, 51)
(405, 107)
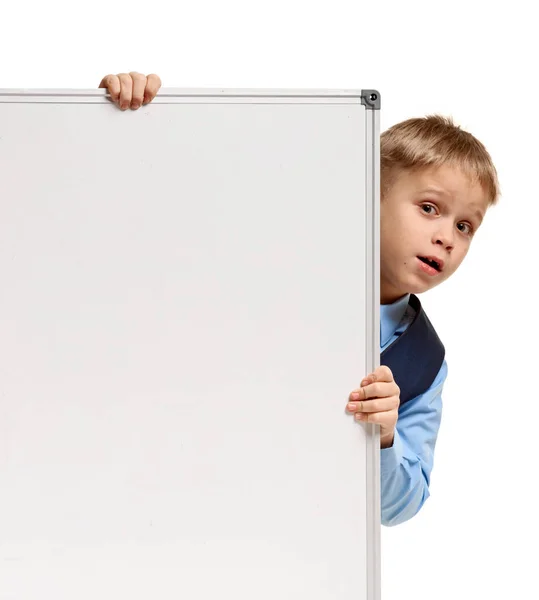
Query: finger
(380, 390)
(385, 419)
(126, 90)
(139, 85)
(372, 406)
(375, 390)
(153, 85)
(112, 84)
(381, 373)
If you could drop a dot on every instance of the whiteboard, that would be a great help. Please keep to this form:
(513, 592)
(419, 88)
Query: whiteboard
(189, 293)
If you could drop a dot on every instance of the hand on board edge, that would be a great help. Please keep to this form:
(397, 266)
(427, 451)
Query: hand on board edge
(377, 401)
(131, 90)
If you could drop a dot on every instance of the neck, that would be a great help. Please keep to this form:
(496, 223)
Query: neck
(390, 298)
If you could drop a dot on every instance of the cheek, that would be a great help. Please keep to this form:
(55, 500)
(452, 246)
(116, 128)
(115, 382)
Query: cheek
(389, 245)
(459, 255)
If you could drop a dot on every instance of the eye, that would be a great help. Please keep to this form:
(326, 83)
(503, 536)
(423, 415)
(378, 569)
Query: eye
(428, 209)
(465, 228)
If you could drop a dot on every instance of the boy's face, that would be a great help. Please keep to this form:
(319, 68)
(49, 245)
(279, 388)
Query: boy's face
(427, 215)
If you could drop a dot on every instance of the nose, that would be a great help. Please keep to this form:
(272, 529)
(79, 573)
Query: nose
(445, 237)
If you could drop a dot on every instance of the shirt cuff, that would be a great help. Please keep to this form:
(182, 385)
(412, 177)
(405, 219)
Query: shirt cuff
(391, 458)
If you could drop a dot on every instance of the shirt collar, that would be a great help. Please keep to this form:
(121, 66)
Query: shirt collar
(390, 317)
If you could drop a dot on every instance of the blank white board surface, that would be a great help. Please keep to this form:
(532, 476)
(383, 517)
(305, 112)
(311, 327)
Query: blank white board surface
(189, 293)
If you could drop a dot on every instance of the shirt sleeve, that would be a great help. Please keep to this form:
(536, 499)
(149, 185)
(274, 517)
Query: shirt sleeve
(406, 466)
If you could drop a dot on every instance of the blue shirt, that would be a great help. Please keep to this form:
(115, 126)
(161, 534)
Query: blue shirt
(406, 466)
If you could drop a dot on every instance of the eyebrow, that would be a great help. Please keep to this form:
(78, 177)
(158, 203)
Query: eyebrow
(480, 215)
(431, 189)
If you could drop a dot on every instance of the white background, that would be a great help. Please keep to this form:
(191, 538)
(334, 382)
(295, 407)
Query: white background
(476, 61)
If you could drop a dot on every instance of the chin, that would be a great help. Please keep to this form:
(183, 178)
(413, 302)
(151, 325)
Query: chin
(408, 285)
(420, 287)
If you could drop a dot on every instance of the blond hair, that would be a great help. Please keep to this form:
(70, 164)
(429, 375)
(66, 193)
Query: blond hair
(433, 141)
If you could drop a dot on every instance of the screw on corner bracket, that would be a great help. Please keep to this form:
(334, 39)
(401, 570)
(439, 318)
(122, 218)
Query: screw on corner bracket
(370, 99)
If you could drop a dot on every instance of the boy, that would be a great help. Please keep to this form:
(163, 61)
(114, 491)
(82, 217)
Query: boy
(437, 183)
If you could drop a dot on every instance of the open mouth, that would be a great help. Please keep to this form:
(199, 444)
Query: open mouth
(431, 262)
